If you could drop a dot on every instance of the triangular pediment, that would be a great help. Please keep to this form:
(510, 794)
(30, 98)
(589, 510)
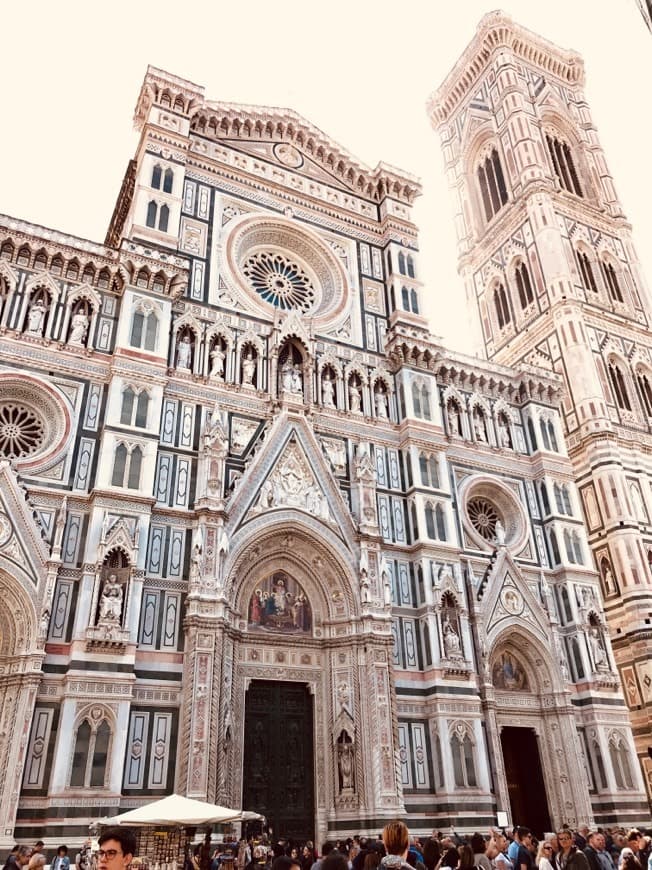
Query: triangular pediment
(290, 472)
(22, 549)
(508, 599)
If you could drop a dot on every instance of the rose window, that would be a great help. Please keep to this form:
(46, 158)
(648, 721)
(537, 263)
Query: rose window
(21, 431)
(279, 281)
(483, 516)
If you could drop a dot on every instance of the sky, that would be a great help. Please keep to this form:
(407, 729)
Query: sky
(360, 70)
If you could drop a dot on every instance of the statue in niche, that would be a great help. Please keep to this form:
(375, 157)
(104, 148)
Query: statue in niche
(280, 604)
(453, 419)
(452, 643)
(111, 600)
(479, 427)
(184, 353)
(217, 357)
(297, 380)
(597, 649)
(355, 397)
(287, 375)
(609, 582)
(381, 404)
(78, 328)
(504, 437)
(36, 318)
(499, 533)
(345, 763)
(507, 673)
(328, 390)
(248, 369)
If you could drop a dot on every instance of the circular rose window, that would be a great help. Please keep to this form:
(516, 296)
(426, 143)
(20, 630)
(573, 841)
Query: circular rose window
(279, 263)
(35, 422)
(21, 431)
(483, 516)
(280, 281)
(492, 513)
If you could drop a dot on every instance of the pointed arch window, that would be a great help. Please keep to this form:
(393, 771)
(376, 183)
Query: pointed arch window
(127, 466)
(645, 391)
(152, 211)
(611, 280)
(144, 330)
(544, 498)
(401, 263)
(430, 521)
(502, 308)
(423, 469)
(168, 180)
(620, 762)
(156, 177)
(164, 218)
(570, 551)
(440, 522)
(405, 298)
(563, 164)
(463, 759)
(492, 184)
(90, 755)
(618, 386)
(586, 271)
(410, 266)
(532, 434)
(414, 301)
(548, 435)
(576, 544)
(554, 546)
(134, 408)
(523, 285)
(596, 757)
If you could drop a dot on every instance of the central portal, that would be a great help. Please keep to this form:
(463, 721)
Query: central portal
(527, 791)
(278, 778)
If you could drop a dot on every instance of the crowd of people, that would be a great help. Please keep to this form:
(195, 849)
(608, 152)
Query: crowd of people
(395, 849)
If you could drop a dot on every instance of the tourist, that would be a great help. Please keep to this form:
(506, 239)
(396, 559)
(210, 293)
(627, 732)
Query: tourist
(545, 856)
(569, 857)
(396, 839)
(117, 847)
(479, 846)
(61, 861)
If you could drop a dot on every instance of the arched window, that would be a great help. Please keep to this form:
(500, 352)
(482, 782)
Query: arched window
(501, 306)
(570, 552)
(410, 266)
(425, 402)
(567, 610)
(586, 271)
(430, 521)
(127, 466)
(144, 330)
(134, 408)
(596, 755)
(163, 219)
(562, 161)
(492, 185)
(645, 391)
(620, 762)
(552, 436)
(401, 263)
(423, 469)
(463, 760)
(554, 546)
(576, 544)
(532, 434)
(416, 399)
(414, 301)
(544, 497)
(618, 386)
(578, 664)
(168, 180)
(405, 298)
(611, 280)
(126, 414)
(440, 522)
(152, 211)
(558, 499)
(434, 472)
(544, 434)
(523, 285)
(90, 755)
(156, 177)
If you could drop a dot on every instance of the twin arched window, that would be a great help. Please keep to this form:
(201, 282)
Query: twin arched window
(144, 330)
(127, 464)
(158, 176)
(523, 285)
(435, 522)
(586, 271)
(429, 471)
(573, 547)
(645, 391)
(618, 386)
(493, 189)
(421, 400)
(563, 164)
(90, 755)
(548, 435)
(156, 215)
(562, 498)
(410, 300)
(134, 408)
(502, 308)
(619, 755)
(406, 264)
(611, 281)
(461, 747)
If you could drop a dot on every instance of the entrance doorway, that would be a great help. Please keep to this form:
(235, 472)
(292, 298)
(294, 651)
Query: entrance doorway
(527, 792)
(278, 776)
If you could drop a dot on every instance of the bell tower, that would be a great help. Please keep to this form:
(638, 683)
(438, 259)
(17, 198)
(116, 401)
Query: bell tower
(552, 280)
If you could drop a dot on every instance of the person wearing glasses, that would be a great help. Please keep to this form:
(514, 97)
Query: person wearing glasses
(117, 848)
(569, 856)
(545, 859)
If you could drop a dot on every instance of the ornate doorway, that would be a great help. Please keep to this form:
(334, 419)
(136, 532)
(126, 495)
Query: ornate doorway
(278, 778)
(527, 791)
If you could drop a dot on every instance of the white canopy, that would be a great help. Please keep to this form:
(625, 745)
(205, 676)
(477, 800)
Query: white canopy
(178, 810)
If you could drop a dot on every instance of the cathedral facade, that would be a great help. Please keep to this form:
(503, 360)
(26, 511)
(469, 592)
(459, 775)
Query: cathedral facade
(264, 541)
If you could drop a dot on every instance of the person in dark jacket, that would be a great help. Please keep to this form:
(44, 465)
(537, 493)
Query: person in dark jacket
(569, 856)
(596, 854)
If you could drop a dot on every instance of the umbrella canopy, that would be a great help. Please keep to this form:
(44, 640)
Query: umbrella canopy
(178, 810)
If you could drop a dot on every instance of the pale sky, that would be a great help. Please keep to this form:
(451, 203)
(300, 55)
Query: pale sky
(359, 70)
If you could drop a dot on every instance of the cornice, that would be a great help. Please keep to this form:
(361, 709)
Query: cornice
(498, 31)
